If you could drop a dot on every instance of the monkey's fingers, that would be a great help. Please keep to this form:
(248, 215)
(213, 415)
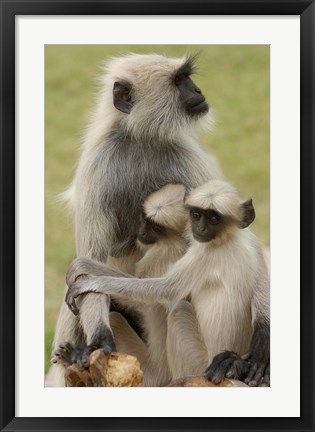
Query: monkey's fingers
(220, 365)
(62, 354)
(238, 370)
(265, 382)
(70, 301)
(256, 373)
(76, 289)
(82, 358)
(78, 268)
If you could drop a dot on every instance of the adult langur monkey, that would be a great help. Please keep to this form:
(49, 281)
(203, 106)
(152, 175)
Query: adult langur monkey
(225, 276)
(161, 237)
(142, 136)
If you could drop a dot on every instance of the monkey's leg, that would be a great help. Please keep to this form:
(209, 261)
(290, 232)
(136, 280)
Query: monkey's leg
(67, 331)
(94, 319)
(155, 324)
(128, 342)
(186, 351)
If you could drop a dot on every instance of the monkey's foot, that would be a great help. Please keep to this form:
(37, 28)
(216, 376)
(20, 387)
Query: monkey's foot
(258, 375)
(230, 365)
(62, 354)
(80, 357)
(103, 340)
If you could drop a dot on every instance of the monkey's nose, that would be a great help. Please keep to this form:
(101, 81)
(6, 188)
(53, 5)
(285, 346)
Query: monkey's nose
(202, 227)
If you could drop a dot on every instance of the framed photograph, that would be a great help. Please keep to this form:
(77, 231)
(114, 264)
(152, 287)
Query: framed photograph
(256, 69)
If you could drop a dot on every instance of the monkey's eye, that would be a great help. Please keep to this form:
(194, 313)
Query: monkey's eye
(214, 220)
(195, 215)
(179, 78)
(157, 228)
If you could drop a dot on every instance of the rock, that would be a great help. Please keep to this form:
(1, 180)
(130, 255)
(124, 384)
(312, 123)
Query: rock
(115, 370)
(74, 377)
(200, 381)
(106, 370)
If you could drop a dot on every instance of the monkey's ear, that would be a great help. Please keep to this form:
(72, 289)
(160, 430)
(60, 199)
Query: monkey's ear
(122, 97)
(248, 213)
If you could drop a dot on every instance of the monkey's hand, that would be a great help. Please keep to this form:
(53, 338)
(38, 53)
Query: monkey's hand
(254, 372)
(86, 267)
(258, 356)
(75, 289)
(227, 364)
(64, 354)
(94, 284)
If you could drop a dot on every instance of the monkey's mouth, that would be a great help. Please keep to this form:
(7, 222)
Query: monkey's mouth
(146, 241)
(200, 106)
(203, 239)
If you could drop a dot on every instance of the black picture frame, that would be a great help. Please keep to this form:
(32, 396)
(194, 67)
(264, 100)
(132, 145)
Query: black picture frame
(9, 9)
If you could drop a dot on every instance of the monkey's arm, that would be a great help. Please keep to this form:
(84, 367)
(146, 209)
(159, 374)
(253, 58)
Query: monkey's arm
(168, 288)
(174, 286)
(88, 267)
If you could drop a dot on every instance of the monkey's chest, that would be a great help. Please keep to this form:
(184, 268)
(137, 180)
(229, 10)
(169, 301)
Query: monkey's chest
(149, 168)
(132, 174)
(224, 317)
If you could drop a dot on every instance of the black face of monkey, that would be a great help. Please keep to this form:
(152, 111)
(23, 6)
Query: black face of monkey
(206, 224)
(191, 96)
(149, 231)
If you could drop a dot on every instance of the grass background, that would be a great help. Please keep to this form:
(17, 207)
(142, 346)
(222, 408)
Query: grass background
(235, 80)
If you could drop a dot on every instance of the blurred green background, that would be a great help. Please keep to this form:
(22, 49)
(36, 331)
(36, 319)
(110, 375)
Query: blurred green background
(235, 80)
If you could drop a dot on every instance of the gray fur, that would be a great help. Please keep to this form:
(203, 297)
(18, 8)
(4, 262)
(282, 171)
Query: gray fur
(122, 185)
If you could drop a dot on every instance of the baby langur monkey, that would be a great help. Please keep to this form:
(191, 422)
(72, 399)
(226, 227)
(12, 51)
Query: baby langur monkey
(225, 275)
(161, 239)
(160, 234)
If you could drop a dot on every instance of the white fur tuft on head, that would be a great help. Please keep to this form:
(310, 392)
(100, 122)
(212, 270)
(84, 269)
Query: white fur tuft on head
(217, 195)
(166, 207)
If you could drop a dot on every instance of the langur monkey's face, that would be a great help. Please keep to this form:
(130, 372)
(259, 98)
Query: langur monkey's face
(206, 225)
(149, 231)
(164, 92)
(209, 224)
(191, 97)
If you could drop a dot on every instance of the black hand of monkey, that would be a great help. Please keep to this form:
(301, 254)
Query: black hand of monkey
(258, 376)
(230, 365)
(66, 355)
(259, 356)
(62, 354)
(227, 364)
